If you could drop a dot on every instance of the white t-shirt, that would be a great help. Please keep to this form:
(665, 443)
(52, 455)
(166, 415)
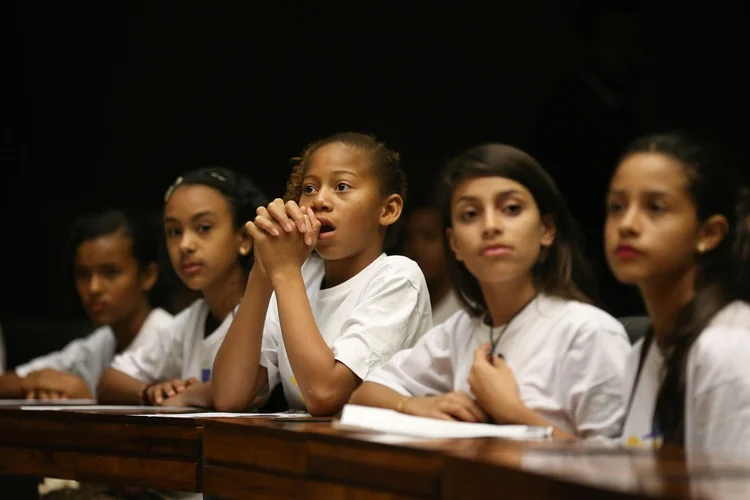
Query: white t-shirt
(567, 357)
(446, 308)
(717, 400)
(365, 320)
(89, 357)
(179, 351)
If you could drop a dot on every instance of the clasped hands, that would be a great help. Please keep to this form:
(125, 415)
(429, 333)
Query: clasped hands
(284, 235)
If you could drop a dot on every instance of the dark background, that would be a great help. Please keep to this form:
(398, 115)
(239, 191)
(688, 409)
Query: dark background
(104, 104)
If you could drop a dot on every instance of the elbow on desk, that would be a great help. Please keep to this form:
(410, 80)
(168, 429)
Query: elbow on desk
(104, 389)
(230, 401)
(324, 403)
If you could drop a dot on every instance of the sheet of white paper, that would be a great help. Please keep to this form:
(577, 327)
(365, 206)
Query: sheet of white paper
(283, 415)
(396, 439)
(133, 408)
(389, 421)
(56, 402)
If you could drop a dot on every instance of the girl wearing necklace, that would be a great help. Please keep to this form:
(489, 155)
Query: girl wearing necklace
(528, 347)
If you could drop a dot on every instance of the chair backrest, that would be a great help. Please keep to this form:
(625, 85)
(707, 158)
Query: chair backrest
(635, 326)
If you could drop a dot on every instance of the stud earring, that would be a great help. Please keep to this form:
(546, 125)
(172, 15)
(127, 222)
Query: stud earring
(701, 247)
(243, 251)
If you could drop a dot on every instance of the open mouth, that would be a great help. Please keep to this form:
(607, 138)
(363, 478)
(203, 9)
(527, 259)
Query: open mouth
(326, 229)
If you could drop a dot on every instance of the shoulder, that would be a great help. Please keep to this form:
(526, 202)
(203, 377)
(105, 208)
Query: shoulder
(454, 331)
(188, 318)
(103, 334)
(734, 314)
(160, 318)
(457, 327)
(585, 322)
(580, 314)
(396, 268)
(721, 352)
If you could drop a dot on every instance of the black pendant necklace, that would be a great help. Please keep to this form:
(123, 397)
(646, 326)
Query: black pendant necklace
(493, 341)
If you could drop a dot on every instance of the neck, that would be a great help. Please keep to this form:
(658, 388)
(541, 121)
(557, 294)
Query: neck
(224, 294)
(339, 271)
(664, 299)
(505, 300)
(127, 329)
(439, 289)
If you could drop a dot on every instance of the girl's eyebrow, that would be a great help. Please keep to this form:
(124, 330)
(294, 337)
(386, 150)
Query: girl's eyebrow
(501, 194)
(344, 172)
(653, 193)
(194, 217)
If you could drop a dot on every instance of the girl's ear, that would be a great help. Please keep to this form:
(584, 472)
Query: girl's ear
(149, 275)
(391, 211)
(548, 230)
(711, 233)
(244, 242)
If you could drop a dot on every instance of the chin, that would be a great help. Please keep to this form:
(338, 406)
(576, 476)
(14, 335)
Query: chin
(195, 283)
(101, 318)
(331, 253)
(628, 276)
(497, 272)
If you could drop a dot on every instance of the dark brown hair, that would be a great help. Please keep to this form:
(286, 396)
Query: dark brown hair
(384, 161)
(714, 185)
(561, 270)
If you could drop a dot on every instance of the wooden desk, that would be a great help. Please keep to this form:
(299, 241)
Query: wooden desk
(261, 458)
(573, 471)
(102, 446)
(283, 459)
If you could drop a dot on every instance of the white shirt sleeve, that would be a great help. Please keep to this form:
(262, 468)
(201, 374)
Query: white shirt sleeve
(269, 349)
(717, 400)
(386, 322)
(157, 359)
(85, 358)
(592, 372)
(423, 370)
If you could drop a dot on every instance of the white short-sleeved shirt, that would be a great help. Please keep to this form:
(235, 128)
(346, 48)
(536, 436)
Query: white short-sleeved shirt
(89, 357)
(365, 320)
(717, 394)
(446, 308)
(567, 357)
(179, 351)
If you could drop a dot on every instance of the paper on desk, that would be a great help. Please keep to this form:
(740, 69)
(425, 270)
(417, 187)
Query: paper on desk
(389, 421)
(133, 408)
(57, 402)
(216, 414)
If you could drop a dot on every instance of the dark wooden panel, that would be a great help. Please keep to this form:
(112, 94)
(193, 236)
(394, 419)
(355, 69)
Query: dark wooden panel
(237, 484)
(254, 443)
(109, 469)
(106, 446)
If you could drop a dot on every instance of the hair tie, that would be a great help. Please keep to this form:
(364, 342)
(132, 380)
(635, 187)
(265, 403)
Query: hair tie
(172, 188)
